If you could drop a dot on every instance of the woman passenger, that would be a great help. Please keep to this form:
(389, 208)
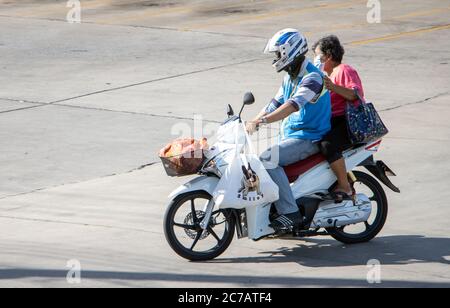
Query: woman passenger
(344, 85)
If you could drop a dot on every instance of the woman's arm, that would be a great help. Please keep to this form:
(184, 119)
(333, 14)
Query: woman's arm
(348, 94)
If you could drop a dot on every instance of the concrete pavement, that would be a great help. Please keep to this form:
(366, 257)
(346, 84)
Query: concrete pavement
(85, 107)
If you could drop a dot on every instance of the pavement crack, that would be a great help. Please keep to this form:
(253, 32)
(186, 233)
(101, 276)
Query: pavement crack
(159, 79)
(20, 100)
(417, 102)
(142, 167)
(141, 27)
(183, 30)
(35, 190)
(19, 109)
(79, 182)
(58, 102)
(35, 104)
(418, 139)
(78, 224)
(173, 117)
(132, 170)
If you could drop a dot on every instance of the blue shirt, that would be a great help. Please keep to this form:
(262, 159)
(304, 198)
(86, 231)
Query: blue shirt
(307, 94)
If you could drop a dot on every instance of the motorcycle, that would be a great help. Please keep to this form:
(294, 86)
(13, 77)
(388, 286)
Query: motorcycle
(198, 230)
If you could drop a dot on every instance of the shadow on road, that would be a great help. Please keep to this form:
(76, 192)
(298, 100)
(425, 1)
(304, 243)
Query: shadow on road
(389, 250)
(58, 276)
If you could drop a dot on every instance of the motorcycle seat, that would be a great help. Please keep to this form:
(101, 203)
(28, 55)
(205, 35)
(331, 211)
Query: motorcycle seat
(295, 170)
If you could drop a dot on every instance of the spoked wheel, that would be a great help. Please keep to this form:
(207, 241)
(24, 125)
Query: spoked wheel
(186, 237)
(366, 231)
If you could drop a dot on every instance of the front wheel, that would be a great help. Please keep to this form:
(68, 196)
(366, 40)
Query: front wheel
(366, 231)
(183, 232)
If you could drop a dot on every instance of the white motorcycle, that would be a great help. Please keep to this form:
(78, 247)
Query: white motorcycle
(198, 230)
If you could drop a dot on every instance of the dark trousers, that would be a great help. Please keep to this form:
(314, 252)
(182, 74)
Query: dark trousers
(336, 141)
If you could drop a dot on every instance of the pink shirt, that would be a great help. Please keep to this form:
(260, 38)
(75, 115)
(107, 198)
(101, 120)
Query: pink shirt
(345, 76)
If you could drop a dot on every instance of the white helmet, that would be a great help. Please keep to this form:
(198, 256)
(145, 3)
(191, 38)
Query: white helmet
(287, 45)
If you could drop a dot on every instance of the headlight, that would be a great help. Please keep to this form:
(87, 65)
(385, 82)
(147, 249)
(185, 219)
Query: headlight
(211, 167)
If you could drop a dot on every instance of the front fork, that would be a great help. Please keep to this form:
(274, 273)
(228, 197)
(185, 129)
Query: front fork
(204, 224)
(240, 217)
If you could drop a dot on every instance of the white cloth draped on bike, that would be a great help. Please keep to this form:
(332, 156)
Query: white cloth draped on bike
(245, 181)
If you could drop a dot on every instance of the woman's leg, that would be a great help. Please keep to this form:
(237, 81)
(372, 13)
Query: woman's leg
(332, 146)
(340, 171)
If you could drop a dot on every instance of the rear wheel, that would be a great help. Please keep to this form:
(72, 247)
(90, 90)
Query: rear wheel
(183, 232)
(366, 231)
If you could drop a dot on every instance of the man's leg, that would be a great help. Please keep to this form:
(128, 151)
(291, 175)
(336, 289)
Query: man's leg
(286, 153)
(286, 203)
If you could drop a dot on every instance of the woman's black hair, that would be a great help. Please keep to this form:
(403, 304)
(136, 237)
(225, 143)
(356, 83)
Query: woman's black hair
(331, 46)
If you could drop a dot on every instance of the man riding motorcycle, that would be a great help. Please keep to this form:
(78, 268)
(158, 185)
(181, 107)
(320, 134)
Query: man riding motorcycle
(303, 105)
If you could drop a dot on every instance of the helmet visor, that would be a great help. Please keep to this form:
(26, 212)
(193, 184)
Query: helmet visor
(277, 57)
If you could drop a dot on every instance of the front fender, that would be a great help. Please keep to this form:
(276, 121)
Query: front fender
(204, 183)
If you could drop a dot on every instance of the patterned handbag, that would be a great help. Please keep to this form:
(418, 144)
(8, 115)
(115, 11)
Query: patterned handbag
(364, 122)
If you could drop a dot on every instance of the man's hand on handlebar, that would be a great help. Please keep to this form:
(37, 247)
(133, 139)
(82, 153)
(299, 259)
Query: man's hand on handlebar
(252, 126)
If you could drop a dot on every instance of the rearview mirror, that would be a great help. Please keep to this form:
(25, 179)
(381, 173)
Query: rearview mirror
(230, 111)
(249, 99)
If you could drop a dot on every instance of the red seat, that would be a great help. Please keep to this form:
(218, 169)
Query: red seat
(295, 170)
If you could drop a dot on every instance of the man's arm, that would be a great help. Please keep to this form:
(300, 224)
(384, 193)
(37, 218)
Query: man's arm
(260, 115)
(281, 113)
(273, 106)
(308, 92)
(252, 126)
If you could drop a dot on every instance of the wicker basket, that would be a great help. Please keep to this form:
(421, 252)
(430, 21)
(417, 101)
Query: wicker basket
(184, 164)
